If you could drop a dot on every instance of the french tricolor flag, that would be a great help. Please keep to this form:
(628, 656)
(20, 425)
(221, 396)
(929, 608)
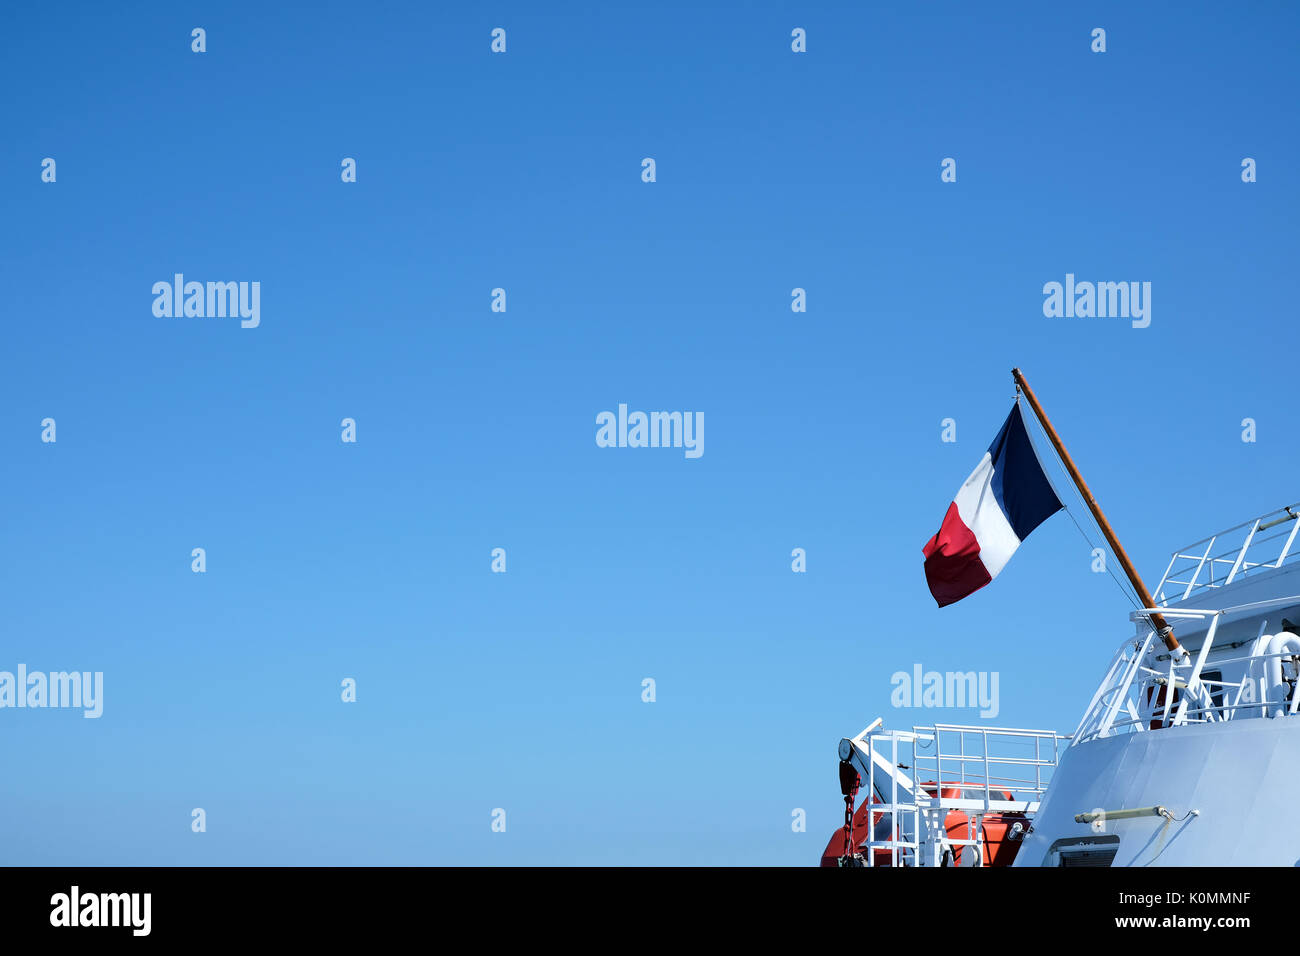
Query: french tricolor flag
(1006, 497)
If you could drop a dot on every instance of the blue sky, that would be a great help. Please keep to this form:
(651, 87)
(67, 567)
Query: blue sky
(476, 429)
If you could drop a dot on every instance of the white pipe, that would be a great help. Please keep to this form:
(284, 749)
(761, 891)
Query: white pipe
(1258, 681)
(1278, 689)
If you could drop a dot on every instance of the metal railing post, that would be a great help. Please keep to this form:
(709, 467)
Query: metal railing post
(1241, 555)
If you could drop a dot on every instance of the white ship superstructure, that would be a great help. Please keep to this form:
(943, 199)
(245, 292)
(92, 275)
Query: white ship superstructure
(1183, 757)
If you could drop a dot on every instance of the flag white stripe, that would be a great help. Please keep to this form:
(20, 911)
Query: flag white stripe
(980, 513)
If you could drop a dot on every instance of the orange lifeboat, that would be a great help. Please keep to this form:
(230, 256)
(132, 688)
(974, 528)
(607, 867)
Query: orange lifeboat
(1001, 832)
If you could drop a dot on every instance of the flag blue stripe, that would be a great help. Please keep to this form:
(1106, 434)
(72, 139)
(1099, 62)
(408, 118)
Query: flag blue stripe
(1022, 491)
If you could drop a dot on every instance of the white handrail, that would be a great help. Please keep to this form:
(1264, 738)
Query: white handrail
(1169, 690)
(917, 808)
(1198, 560)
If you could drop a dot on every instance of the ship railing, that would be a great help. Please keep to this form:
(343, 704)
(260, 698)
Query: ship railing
(1264, 542)
(918, 778)
(1148, 688)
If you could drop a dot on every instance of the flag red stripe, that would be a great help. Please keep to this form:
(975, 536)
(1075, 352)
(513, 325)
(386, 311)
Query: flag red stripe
(953, 568)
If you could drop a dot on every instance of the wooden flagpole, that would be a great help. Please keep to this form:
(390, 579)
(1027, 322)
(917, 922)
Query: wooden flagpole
(1158, 620)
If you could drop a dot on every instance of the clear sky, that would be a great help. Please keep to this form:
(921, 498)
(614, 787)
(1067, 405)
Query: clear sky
(476, 429)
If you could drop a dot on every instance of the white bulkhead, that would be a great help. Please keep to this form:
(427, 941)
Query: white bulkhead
(1205, 776)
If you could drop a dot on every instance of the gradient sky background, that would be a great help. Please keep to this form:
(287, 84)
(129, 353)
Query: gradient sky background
(476, 430)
